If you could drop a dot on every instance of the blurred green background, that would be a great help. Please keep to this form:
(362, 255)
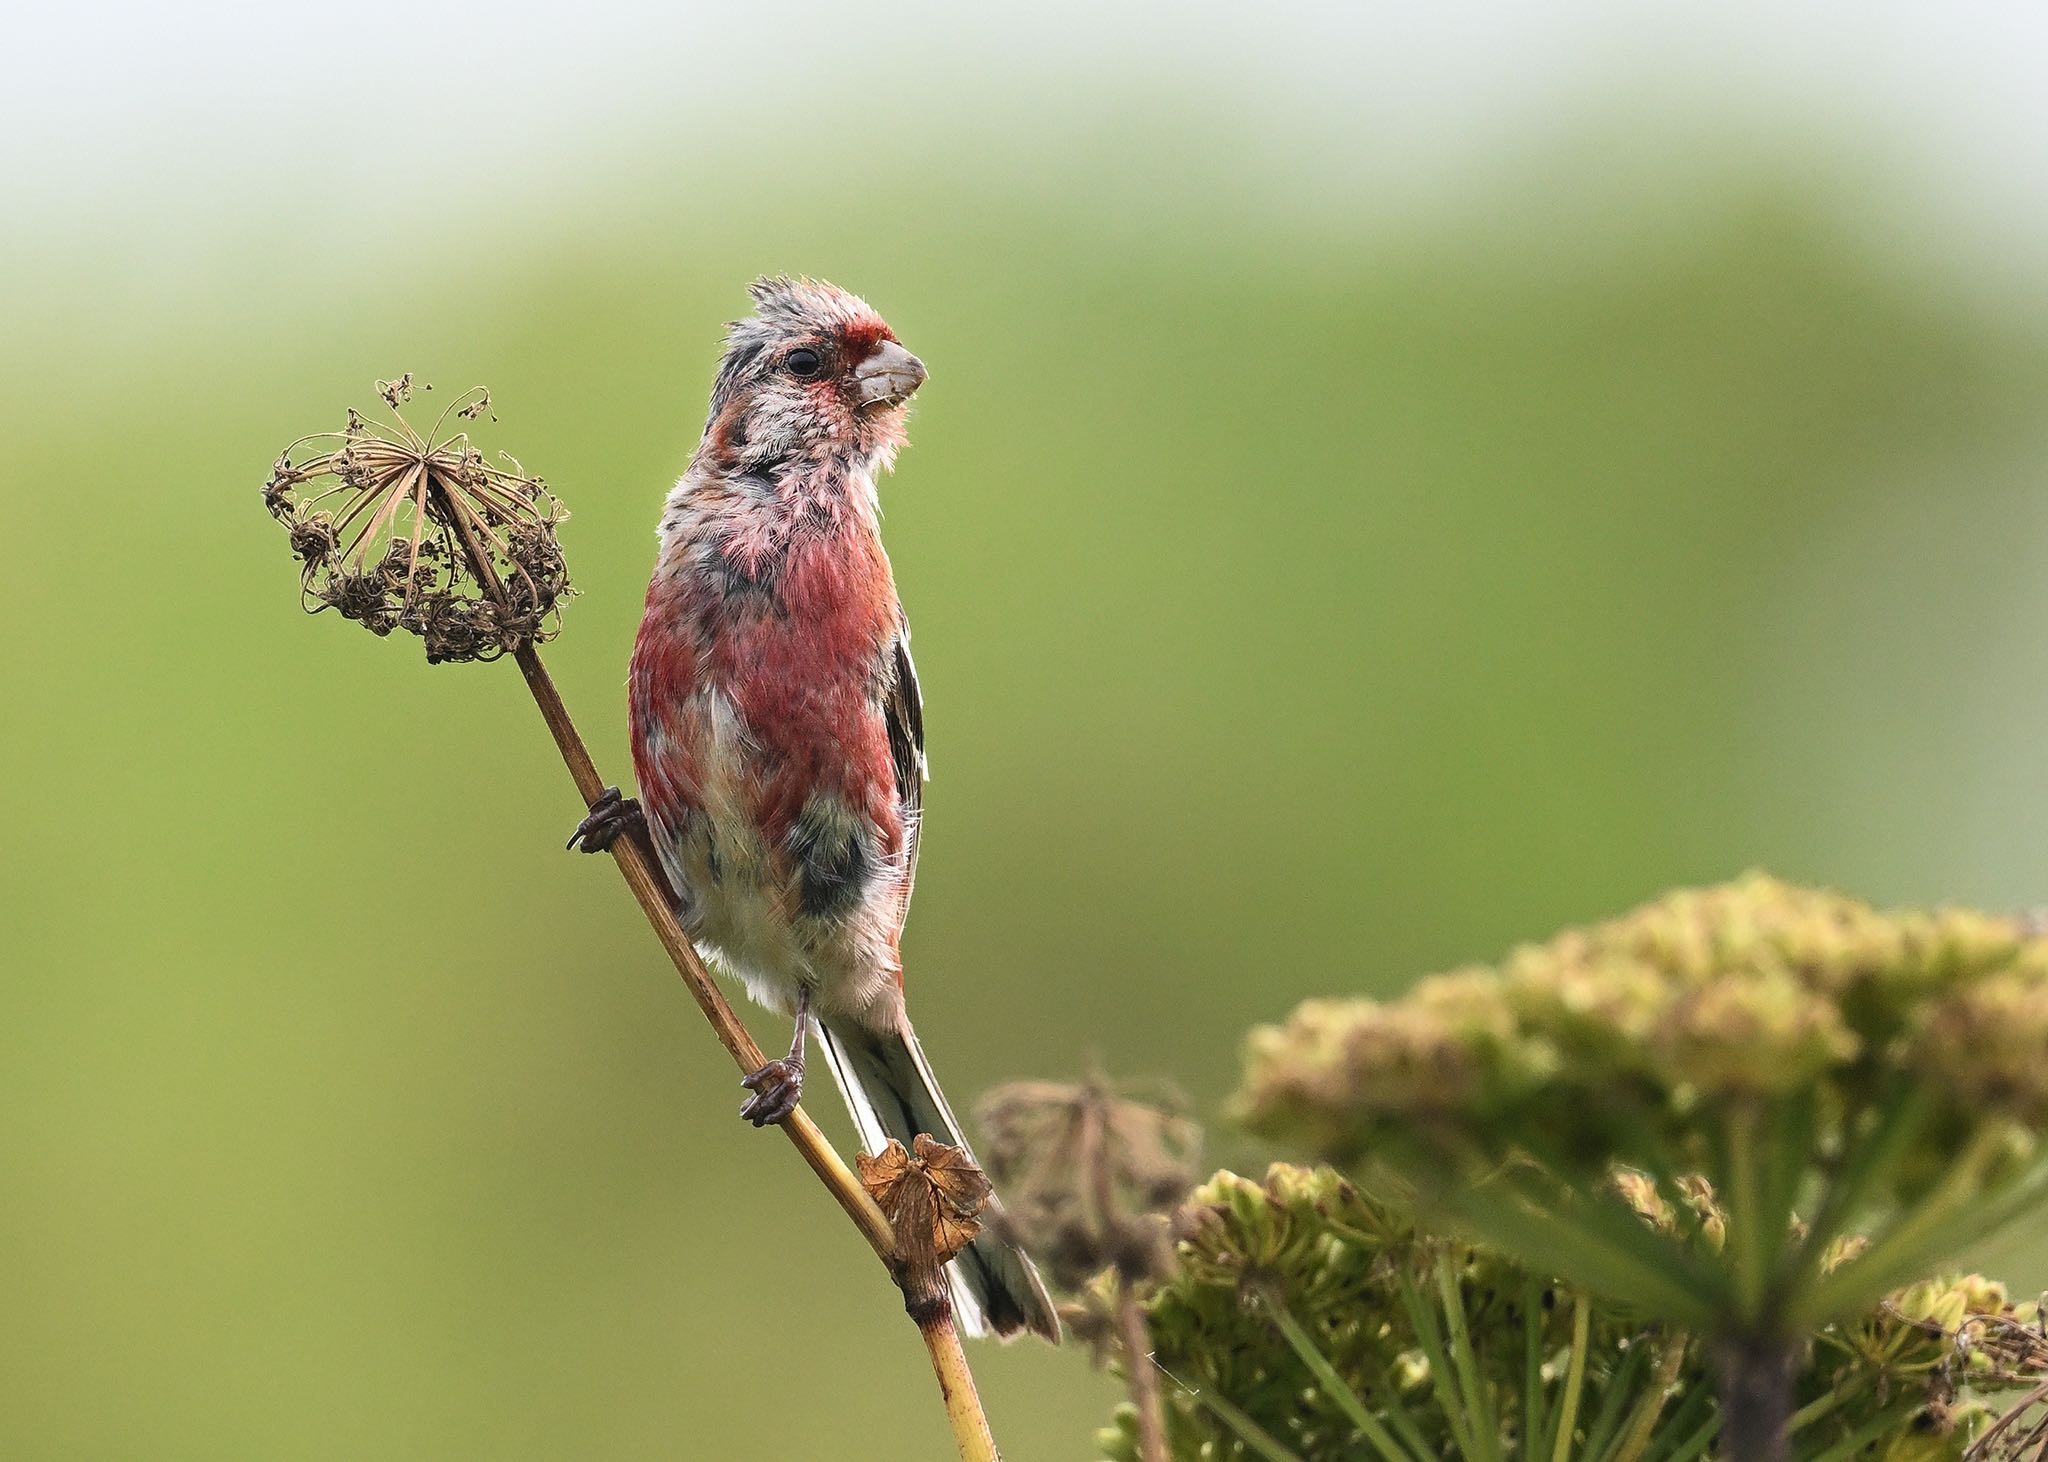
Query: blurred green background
(1387, 488)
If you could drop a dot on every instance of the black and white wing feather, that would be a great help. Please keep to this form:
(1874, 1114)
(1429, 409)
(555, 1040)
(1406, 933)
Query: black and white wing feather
(903, 708)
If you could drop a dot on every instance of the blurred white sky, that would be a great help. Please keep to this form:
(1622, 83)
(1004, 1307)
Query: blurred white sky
(148, 114)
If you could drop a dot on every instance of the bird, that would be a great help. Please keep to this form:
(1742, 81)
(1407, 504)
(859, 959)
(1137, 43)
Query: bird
(778, 731)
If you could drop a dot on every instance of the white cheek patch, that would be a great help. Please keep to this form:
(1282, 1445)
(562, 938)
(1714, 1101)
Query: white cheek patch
(776, 426)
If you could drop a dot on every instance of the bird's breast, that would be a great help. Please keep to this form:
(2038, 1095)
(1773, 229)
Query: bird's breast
(766, 646)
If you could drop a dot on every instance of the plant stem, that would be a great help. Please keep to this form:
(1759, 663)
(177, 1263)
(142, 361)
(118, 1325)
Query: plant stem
(1819, 1407)
(1686, 1428)
(651, 889)
(1753, 1373)
(956, 1385)
(1885, 1422)
(1872, 1160)
(1636, 1439)
(1485, 1427)
(1696, 1444)
(1248, 1431)
(1333, 1385)
(1575, 1379)
(1398, 1416)
(1144, 1381)
(1748, 1245)
(1915, 1240)
(1535, 1418)
(1442, 1380)
(1617, 1387)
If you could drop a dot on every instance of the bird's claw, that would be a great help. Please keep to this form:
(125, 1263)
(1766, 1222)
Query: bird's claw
(611, 817)
(777, 1087)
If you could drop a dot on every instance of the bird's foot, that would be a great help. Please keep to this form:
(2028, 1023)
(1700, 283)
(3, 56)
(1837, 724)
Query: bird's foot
(611, 818)
(776, 1088)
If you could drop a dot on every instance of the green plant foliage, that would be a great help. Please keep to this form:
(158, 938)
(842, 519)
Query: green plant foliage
(1305, 1319)
(1809, 1057)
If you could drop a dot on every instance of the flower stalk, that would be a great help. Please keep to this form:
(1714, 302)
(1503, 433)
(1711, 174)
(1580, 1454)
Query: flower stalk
(933, 1196)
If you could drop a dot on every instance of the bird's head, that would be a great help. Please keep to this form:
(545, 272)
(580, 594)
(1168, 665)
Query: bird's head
(813, 372)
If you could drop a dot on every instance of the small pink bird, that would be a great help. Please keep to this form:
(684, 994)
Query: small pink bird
(777, 733)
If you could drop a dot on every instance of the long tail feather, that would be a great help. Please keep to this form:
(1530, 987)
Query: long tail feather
(889, 1087)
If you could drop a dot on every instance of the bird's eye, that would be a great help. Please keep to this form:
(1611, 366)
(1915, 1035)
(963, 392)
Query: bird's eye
(804, 364)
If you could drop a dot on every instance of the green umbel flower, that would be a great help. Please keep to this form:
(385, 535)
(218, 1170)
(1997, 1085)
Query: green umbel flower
(1305, 1320)
(1826, 1068)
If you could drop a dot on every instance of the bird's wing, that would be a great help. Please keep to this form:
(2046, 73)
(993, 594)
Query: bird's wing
(903, 708)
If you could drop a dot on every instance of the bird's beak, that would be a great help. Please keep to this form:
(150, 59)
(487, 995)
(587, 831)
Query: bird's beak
(889, 376)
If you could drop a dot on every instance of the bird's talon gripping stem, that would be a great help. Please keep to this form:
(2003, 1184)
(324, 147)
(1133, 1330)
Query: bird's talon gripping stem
(611, 817)
(779, 1085)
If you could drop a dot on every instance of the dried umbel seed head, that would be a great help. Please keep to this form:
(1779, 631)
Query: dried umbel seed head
(396, 529)
(1090, 1174)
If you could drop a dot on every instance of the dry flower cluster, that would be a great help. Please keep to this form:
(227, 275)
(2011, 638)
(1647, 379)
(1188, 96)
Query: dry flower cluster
(381, 516)
(933, 1197)
(1089, 1173)
(1093, 1172)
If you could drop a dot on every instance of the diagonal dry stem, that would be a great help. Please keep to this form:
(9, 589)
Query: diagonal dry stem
(932, 1194)
(650, 889)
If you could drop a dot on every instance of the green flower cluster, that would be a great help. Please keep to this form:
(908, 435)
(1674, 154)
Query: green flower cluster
(1305, 1320)
(1825, 1067)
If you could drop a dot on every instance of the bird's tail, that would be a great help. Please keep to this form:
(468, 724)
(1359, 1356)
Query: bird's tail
(889, 1086)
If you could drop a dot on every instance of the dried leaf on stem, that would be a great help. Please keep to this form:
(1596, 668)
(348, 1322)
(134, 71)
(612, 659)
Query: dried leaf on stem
(933, 1195)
